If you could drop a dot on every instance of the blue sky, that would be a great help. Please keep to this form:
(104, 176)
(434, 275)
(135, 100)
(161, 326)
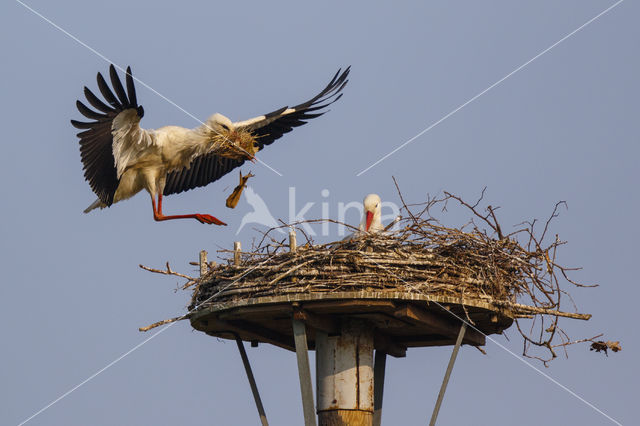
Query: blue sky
(562, 128)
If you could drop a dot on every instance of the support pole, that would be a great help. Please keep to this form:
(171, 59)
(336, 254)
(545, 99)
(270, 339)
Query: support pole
(345, 375)
(252, 382)
(445, 381)
(379, 363)
(304, 371)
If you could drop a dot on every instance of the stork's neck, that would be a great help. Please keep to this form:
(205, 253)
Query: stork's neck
(180, 146)
(376, 223)
(199, 139)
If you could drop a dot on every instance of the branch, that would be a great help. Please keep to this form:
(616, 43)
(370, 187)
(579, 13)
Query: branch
(169, 271)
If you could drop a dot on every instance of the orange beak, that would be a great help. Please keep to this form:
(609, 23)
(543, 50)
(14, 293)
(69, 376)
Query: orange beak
(369, 219)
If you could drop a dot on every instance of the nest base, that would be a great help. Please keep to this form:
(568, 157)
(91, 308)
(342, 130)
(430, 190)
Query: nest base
(401, 320)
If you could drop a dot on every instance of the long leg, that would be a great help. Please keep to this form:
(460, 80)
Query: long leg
(202, 218)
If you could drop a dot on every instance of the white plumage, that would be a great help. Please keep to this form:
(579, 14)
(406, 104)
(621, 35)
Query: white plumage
(120, 158)
(371, 217)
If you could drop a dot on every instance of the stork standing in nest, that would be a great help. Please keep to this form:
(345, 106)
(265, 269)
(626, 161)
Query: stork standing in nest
(121, 159)
(371, 218)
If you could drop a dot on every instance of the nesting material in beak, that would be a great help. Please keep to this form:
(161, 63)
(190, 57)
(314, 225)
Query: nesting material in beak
(236, 144)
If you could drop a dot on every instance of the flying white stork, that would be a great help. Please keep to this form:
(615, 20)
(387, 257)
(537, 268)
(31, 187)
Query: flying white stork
(120, 158)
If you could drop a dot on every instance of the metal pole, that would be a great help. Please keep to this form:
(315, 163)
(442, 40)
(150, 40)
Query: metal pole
(252, 382)
(379, 364)
(445, 381)
(304, 371)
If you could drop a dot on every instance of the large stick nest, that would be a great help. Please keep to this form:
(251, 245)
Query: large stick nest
(418, 258)
(516, 271)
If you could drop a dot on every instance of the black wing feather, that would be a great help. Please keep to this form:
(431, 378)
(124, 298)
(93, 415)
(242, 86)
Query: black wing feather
(131, 88)
(96, 141)
(276, 129)
(117, 85)
(96, 102)
(211, 167)
(204, 170)
(81, 125)
(89, 113)
(106, 92)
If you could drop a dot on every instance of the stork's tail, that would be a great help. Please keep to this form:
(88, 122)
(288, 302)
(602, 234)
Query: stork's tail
(96, 204)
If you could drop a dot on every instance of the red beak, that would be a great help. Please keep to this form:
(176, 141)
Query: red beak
(369, 219)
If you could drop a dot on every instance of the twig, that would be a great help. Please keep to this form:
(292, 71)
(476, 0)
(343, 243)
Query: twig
(169, 271)
(159, 323)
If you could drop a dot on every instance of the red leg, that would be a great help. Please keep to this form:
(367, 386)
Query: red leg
(202, 218)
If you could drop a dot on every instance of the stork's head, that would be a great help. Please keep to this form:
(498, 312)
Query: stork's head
(238, 143)
(219, 124)
(372, 210)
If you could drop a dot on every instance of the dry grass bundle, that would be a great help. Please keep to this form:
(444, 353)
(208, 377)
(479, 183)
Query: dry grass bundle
(238, 144)
(516, 272)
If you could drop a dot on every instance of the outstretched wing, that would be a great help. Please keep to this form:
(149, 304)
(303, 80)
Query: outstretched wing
(266, 128)
(203, 170)
(269, 127)
(97, 140)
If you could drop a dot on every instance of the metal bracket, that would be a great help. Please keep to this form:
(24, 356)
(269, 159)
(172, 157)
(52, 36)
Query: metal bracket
(445, 381)
(304, 371)
(252, 381)
(380, 360)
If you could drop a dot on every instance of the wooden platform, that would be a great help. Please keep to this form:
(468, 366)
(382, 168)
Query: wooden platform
(400, 320)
